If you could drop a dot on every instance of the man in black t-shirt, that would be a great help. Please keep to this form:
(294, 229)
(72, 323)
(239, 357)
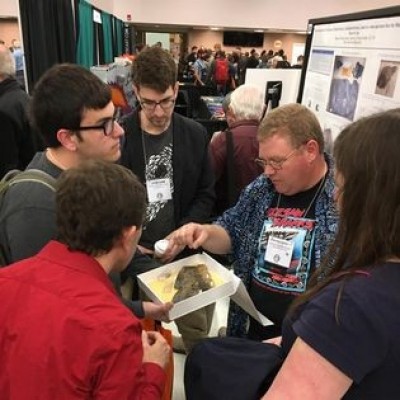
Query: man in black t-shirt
(169, 153)
(283, 222)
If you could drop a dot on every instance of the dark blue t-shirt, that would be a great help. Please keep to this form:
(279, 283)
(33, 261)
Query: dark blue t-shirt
(364, 344)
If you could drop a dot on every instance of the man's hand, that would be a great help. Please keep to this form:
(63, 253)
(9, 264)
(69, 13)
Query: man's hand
(191, 235)
(145, 250)
(155, 311)
(155, 349)
(276, 341)
(171, 251)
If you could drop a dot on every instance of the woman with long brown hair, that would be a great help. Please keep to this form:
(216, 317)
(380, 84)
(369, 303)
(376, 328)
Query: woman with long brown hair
(342, 336)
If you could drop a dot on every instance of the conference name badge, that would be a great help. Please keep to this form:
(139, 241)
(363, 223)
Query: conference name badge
(158, 190)
(279, 252)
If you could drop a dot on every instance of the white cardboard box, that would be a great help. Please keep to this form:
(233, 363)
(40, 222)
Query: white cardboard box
(231, 286)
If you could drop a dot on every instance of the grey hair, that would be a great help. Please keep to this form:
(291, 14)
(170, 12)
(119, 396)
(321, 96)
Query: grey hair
(226, 102)
(247, 102)
(7, 63)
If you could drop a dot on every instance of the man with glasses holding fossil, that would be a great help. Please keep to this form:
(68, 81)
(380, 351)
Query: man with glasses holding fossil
(283, 222)
(169, 154)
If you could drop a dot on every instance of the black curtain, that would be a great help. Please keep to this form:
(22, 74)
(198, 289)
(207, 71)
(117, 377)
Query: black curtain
(114, 36)
(48, 33)
(100, 44)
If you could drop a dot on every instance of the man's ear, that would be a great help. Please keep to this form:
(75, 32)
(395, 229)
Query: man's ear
(67, 139)
(130, 235)
(176, 89)
(230, 113)
(312, 149)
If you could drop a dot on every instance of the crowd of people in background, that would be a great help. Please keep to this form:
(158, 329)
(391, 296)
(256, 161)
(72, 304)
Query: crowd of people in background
(199, 64)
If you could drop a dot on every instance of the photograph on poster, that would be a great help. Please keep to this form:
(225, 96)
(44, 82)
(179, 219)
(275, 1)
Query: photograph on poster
(387, 78)
(345, 84)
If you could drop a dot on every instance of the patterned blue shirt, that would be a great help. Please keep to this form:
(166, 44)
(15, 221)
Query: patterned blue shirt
(244, 222)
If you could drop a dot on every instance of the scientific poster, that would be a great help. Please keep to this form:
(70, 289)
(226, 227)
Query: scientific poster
(352, 71)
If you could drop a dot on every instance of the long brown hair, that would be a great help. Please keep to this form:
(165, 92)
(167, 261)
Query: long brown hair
(367, 156)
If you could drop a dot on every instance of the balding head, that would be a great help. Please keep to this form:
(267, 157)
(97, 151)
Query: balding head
(7, 63)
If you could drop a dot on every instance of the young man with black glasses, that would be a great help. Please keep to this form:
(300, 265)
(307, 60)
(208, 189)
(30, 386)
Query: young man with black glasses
(169, 153)
(71, 108)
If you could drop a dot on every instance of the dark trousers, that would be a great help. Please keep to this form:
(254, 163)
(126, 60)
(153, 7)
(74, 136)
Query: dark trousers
(230, 368)
(260, 333)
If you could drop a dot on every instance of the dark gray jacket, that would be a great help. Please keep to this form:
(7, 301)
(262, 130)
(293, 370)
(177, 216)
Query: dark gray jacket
(17, 142)
(27, 216)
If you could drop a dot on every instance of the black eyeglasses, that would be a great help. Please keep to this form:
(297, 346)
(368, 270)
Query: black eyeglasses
(107, 126)
(165, 104)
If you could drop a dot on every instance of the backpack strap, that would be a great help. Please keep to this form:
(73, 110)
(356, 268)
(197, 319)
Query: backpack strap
(31, 175)
(230, 169)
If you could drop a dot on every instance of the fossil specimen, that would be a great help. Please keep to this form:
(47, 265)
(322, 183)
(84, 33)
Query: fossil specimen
(191, 280)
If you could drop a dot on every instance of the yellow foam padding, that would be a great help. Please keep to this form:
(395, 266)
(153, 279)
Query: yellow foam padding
(163, 285)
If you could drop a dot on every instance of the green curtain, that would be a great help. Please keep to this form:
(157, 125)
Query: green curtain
(107, 35)
(114, 36)
(85, 47)
(118, 24)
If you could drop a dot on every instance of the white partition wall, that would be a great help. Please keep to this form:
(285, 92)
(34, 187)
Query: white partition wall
(290, 79)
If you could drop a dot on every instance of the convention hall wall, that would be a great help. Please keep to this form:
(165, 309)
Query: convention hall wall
(9, 30)
(284, 14)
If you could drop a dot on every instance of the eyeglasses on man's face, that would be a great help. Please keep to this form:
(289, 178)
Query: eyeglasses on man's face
(107, 126)
(165, 104)
(275, 164)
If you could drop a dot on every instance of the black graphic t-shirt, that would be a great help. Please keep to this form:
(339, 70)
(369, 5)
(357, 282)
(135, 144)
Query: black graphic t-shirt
(159, 220)
(285, 257)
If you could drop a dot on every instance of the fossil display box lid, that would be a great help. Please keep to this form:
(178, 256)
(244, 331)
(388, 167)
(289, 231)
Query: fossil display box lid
(160, 286)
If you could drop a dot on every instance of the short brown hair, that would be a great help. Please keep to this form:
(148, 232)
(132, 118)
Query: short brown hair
(154, 68)
(95, 202)
(297, 121)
